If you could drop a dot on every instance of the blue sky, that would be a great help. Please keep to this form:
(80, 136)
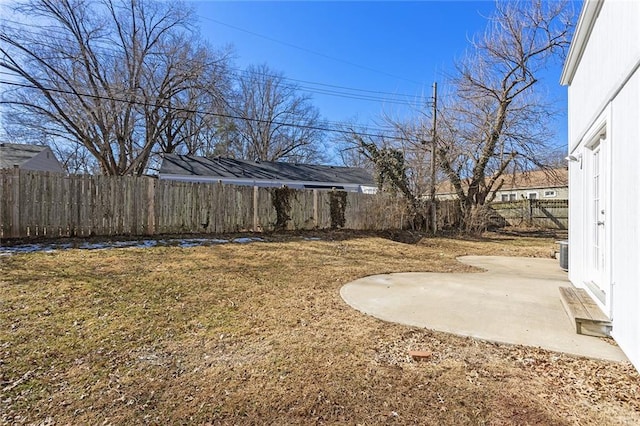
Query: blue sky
(393, 47)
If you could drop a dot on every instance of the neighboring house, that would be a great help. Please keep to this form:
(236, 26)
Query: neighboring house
(29, 157)
(602, 72)
(265, 174)
(536, 184)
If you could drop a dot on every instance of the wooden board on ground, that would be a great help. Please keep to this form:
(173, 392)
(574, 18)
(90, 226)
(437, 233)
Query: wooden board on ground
(586, 314)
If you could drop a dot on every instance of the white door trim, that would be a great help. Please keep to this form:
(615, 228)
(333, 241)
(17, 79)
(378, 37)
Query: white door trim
(598, 280)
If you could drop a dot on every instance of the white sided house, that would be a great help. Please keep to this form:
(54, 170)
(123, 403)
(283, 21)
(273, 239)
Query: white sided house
(232, 171)
(29, 157)
(602, 72)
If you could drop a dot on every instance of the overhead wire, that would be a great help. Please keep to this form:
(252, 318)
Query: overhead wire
(337, 86)
(329, 122)
(214, 114)
(344, 92)
(304, 49)
(323, 89)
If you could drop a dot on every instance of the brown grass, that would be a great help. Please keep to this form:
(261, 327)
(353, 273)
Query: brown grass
(258, 334)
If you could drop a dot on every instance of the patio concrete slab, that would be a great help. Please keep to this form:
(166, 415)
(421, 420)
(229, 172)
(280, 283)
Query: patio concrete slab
(515, 301)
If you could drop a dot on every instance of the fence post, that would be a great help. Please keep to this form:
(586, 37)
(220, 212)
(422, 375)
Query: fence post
(315, 208)
(151, 206)
(15, 208)
(256, 222)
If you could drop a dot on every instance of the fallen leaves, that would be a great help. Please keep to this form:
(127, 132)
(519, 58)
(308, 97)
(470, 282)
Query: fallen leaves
(247, 334)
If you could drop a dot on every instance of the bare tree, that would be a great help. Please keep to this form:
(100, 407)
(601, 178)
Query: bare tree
(397, 155)
(495, 118)
(493, 122)
(185, 93)
(361, 147)
(273, 120)
(413, 136)
(116, 77)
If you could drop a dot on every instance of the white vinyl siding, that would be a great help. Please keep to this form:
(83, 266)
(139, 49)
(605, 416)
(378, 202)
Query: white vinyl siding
(611, 53)
(605, 93)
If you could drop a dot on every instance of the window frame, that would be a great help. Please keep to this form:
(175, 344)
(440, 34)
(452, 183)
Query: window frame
(511, 196)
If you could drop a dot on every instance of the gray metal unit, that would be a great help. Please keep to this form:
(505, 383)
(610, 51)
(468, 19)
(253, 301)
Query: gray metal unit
(564, 255)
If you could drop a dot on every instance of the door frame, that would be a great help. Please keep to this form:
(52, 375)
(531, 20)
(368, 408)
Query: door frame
(598, 282)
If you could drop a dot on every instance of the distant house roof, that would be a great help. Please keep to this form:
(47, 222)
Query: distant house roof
(263, 173)
(554, 178)
(29, 157)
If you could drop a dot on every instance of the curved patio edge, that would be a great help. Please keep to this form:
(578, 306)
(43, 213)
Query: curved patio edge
(515, 301)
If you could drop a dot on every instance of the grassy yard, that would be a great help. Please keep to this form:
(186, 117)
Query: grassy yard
(258, 334)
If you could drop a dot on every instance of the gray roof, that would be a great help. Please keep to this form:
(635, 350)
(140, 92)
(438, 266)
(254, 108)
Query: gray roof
(17, 154)
(219, 167)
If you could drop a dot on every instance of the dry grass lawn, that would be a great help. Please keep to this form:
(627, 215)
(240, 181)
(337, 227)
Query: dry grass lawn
(258, 334)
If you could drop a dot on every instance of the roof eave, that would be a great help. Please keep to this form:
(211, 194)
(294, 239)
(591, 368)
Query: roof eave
(590, 11)
(254, 181)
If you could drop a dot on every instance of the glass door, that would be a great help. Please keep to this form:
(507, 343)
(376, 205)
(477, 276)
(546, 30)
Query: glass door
(598, 224)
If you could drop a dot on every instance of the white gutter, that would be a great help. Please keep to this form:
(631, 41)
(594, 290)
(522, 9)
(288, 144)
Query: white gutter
(588, 16)
(260, 182)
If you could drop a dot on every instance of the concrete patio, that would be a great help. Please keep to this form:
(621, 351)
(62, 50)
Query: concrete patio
(515, 301)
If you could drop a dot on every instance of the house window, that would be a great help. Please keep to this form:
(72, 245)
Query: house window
(507, 197)
(532, 195)
(550, 194)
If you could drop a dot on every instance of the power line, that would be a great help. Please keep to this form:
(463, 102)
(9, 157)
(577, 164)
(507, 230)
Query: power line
(214, 114)
(378, 92)
(345, 92)
(334, 123)
(304, 49)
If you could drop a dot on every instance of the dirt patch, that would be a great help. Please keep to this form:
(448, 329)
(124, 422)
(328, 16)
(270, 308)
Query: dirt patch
(258, 334)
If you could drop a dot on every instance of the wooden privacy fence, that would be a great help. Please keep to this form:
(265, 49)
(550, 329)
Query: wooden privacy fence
(41, 204)
(36, 204)
(538, 213)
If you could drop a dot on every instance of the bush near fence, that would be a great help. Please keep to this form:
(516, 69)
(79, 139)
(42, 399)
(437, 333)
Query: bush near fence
(42, 204)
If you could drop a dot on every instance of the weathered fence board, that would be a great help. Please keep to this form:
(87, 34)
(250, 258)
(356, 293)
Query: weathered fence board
(538, 213)
(40, 204)
(36, 204)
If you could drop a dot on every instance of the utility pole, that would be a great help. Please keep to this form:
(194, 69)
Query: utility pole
(434, 138)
